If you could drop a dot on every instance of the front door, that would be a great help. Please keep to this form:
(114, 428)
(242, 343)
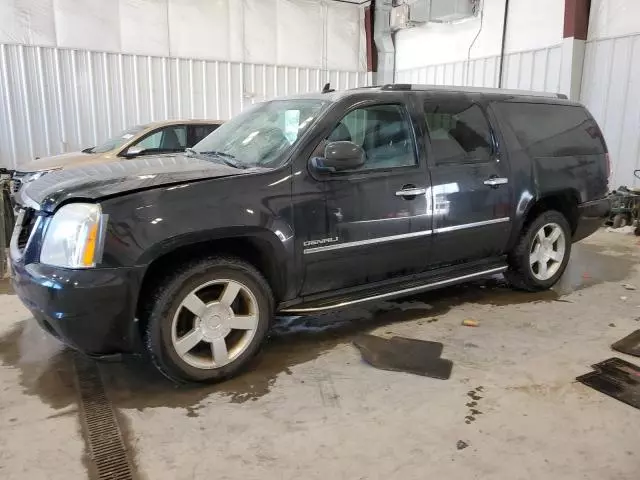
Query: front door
(471, 195)
(365, 229)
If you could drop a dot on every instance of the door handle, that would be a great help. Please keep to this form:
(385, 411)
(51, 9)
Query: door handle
(496, 181)
(411, 192)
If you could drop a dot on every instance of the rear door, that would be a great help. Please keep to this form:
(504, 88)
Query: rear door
(471, 194)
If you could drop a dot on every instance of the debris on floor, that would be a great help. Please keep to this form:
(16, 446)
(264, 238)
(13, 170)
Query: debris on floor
(628, 286)
(470, 322)
(617, 378)
(461, 445)
(623, 298)
(420, 357)
(629, 344)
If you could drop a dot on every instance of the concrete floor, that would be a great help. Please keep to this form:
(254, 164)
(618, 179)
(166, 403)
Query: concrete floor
(310, 408)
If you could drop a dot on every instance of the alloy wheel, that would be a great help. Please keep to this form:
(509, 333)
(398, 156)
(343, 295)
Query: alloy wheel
(547, 251)
(214, 324)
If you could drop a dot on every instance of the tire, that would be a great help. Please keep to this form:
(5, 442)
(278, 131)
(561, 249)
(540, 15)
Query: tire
(619, 221)
(525, 275)
(187, 347)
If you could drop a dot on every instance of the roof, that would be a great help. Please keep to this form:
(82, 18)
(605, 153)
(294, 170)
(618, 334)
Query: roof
(399, 87)
(194, 121)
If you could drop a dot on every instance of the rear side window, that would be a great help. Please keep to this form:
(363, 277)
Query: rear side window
(458, 130)
(546, 130)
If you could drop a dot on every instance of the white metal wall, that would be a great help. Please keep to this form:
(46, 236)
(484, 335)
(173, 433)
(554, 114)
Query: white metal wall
(54, 100)
(531, 70)
(611, 91)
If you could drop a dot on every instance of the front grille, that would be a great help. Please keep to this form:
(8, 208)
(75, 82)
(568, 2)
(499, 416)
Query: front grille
(24, 227)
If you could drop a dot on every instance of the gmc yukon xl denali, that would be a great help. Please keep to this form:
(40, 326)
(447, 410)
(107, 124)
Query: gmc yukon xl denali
(306, 204)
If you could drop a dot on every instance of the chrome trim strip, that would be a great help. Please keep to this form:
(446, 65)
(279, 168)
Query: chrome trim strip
(392, 238)
(397, 292)
(471, 225)
(371, 241)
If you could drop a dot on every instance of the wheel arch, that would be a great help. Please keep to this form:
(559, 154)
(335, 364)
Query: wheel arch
(261, 248)
(565, 201)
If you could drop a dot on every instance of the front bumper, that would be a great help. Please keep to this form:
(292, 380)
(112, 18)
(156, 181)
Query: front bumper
(591, 216)
(90, 310)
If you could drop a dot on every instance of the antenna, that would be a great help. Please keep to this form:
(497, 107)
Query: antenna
(327, 88)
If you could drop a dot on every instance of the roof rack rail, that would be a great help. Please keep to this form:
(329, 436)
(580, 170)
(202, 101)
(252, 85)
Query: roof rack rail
(453, 88)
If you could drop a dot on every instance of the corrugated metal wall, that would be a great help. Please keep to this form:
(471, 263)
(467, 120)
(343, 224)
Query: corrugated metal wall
(530, 70)
(611, 91)
(54, 100)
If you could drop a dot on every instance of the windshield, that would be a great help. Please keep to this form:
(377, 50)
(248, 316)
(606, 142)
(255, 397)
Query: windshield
(263, 135)
(117, 141)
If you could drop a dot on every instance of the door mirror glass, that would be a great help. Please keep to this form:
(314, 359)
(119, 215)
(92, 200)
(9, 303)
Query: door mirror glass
(134, 151)
(339, 156)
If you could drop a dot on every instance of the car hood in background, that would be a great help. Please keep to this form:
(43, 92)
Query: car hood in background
(65, 160)
(97, 181)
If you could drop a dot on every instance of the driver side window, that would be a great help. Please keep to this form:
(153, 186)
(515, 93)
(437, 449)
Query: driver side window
(383, 132)
(166, 140)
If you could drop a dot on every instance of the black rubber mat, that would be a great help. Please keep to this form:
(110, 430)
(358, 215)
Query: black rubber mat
(629, 344)
(617, 378)
(430, 348)
(398, 354)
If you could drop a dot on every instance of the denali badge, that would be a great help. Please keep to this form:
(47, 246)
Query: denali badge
(308, 243)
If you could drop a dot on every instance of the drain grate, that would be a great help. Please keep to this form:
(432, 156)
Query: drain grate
(102, 432)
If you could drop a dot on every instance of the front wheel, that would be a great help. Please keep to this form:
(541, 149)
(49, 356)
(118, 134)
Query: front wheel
(209, 320)
(542, 253)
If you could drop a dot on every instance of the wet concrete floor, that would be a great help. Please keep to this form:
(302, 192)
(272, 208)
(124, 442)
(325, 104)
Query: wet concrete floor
(135, 383)
(44, 369)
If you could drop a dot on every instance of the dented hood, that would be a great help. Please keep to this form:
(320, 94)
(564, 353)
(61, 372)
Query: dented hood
(93, 182)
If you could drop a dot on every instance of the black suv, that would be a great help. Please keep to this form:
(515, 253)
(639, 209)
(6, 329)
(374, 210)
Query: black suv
(307, 204)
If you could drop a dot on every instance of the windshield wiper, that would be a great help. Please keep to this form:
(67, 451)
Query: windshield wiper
(218, 153)
(227, 158)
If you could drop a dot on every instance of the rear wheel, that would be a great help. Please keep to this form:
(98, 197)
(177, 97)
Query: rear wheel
(542, 253)
(208, 320)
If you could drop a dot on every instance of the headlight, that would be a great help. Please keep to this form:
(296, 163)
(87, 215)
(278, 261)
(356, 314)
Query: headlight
(74, 236)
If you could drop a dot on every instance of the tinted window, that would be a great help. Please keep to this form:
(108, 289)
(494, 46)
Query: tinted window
(168, 139)
(553, 130)
(198, 132)
(459, 132)
(383, 131)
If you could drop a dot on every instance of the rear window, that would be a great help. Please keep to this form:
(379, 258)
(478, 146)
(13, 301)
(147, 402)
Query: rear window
(546, 130)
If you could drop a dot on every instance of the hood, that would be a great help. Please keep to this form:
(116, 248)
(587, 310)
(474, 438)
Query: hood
(102, 180)
(64, 160)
